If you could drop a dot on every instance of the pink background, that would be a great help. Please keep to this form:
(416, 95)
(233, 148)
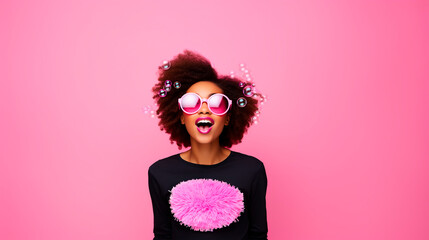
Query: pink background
(344, 133)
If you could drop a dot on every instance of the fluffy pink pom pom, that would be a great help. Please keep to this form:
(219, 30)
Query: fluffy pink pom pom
(206, 204)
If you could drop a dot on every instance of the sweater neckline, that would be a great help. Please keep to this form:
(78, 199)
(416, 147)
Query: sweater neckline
(204, 165)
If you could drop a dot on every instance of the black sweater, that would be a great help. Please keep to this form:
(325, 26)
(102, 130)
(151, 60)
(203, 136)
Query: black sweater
(245, 172)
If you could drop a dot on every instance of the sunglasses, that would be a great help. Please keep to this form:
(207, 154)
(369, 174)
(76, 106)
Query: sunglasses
(218, 103)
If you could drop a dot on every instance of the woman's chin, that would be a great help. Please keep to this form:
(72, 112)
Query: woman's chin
(205, 139)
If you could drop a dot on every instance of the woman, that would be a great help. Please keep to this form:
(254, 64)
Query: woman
(208, 191)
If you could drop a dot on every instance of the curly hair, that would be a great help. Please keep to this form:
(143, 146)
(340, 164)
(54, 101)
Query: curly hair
(189, 68)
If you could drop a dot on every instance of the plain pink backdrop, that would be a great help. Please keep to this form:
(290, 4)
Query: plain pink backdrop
(344, 133)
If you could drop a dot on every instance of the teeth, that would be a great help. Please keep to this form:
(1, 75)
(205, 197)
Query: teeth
(204, 121)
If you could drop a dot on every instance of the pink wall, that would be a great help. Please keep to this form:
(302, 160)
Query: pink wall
(344, 134)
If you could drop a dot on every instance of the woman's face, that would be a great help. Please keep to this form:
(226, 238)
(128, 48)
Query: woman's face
(198, 124)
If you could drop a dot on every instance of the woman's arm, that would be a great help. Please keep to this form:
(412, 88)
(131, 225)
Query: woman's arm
(258, 228)
(161, 210)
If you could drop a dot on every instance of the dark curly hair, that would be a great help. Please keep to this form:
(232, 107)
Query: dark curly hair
(189, 68)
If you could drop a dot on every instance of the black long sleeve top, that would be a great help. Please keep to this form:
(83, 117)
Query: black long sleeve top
(244, 172)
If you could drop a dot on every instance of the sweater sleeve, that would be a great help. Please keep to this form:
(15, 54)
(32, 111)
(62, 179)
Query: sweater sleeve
(258, 228)
(161, 210)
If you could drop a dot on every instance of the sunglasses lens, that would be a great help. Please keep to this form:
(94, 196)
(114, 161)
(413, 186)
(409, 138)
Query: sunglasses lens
(190, 103)
(218, 104)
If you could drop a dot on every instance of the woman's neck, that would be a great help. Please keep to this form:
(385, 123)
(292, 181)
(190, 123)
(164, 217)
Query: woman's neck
(206, 154)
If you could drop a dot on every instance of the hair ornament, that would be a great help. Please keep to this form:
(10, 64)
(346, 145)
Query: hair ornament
(177, 85)
(162, 92)
(249, 90)
(241, 102)
(167, 87)
(165, 65)
(167, 83)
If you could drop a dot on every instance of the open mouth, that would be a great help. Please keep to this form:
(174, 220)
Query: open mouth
(204, 125)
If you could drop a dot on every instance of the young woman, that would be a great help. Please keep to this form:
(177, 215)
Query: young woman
(207, 192)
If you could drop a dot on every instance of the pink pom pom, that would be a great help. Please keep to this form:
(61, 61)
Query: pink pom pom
(206, 204)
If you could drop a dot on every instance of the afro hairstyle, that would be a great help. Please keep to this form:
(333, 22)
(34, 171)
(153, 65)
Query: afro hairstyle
(189, 68)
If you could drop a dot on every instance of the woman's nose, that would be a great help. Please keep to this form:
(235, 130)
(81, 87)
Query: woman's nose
(204, 108)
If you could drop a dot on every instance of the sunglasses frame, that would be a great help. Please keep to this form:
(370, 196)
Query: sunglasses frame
(206, 100)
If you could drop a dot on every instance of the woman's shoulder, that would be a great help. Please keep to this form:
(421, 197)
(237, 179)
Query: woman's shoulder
(249, 160)
(163, 163)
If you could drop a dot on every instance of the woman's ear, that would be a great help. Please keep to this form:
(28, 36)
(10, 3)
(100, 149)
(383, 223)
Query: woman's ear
(228, 117)
(182, 119)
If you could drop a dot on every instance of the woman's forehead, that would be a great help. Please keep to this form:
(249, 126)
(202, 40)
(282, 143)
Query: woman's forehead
(204, 88)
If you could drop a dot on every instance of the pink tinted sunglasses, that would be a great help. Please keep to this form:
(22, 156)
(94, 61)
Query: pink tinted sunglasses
(218, 103)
